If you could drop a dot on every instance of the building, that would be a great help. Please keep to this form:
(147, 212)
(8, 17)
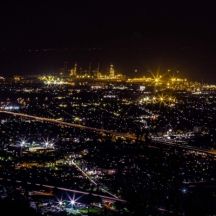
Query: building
(111, 71)
(73, 71)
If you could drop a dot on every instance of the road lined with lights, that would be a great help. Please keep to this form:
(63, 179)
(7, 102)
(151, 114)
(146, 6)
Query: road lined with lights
(91, 180)
(186, 147)
(64, 189)
(114, 133)
(67, 124)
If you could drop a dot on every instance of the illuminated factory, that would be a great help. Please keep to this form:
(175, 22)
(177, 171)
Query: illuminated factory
(157, 80)
(111, 76)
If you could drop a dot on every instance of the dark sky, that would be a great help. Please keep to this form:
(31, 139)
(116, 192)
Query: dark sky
(39, 37)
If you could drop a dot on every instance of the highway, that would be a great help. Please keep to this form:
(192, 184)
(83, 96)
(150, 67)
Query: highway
(67, 124)
(64, 189)
(114, 133)
(174, 143)
(91, 180)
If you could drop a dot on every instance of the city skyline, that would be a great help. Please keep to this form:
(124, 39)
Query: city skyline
(40, 37)
(107, 108)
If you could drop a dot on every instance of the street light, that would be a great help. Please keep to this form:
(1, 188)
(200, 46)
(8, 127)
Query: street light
(72, 202)
(46, 144)
(184, 190)
(23, 142)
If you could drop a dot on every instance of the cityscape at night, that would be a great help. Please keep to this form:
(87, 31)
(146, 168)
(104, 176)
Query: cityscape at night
(107, 110)
(80, 143)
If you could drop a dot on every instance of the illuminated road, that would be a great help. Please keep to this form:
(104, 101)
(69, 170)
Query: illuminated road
(64, 189)
(114, 133)
(182, 146)
(91, 180)
(67, 124)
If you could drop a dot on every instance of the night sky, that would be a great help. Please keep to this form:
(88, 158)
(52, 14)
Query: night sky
(39, 37)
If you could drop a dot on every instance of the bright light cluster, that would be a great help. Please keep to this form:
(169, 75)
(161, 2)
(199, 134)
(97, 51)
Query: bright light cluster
(52, 80)
(72, 201)
(165, 81)
(160, 99)
(9, 108)
(45, 144)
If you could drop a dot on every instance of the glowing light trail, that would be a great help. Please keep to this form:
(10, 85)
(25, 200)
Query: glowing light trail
(67, 124)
